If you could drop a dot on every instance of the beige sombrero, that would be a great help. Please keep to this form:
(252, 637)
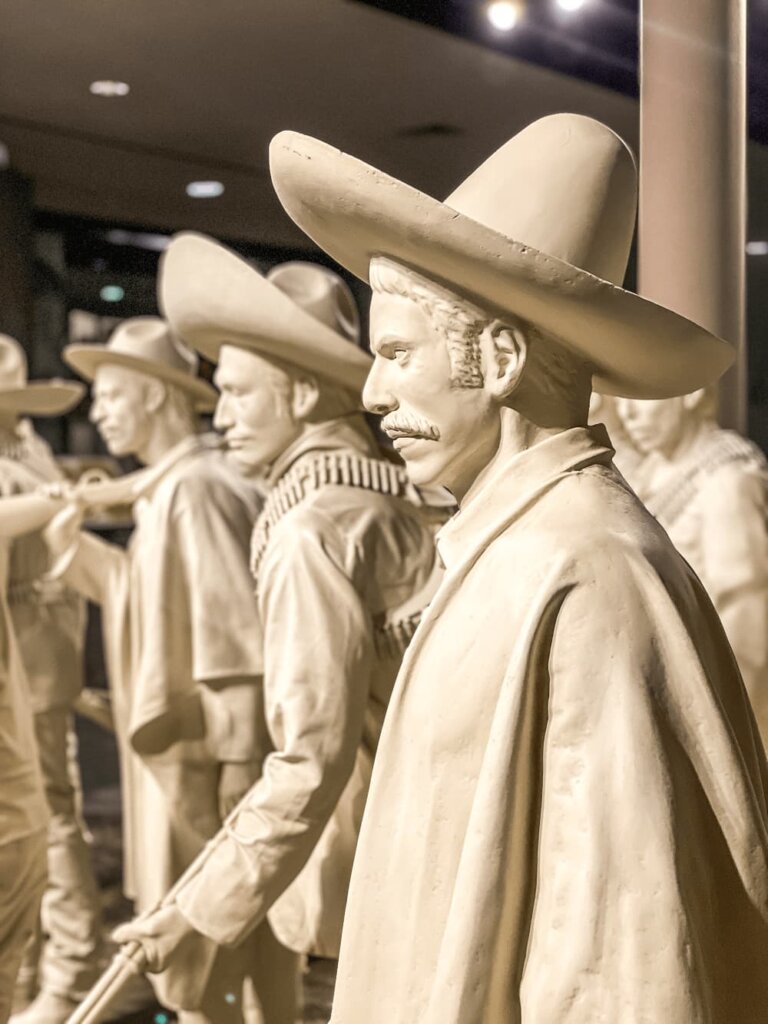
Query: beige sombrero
(541, 230)
(146, 344)
(27, 397)
(299, 312)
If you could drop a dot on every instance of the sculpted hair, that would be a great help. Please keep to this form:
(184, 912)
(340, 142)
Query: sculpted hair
(550, 368)
(460, 322)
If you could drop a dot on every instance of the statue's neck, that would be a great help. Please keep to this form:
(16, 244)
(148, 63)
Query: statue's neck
(164, 437)
(9, 429)
(693, 429)
(517, 434)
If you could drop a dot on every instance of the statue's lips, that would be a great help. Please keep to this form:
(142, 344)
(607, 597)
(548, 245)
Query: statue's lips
(640, 437)
(397, 432)
(109, 433)
(401, 441)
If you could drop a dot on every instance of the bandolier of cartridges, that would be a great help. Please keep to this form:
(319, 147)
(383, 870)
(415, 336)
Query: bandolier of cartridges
(345, 469)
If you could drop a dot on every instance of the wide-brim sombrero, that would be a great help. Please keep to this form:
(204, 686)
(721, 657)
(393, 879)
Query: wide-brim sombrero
(52, 397)
(637, 348)
(155, 353)
(212, 297)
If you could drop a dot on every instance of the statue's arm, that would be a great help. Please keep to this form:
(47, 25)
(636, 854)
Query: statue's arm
(90, 566)
(211, 531)
(317, 661)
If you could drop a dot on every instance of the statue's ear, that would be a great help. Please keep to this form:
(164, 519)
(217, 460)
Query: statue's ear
(305, 396)
(506, 359)
(695, 400)
(154, 394)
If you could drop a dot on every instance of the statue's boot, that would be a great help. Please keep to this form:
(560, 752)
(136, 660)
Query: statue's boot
(46, 1008)
(52, 1008)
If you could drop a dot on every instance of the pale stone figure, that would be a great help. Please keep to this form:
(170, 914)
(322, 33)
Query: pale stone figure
(48, 624)
(344, 561)
(183, 645)
(23, 810)
(567, 816)
(708, 489)
(29, 680)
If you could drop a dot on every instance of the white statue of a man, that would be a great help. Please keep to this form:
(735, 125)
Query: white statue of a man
(343, 560)
(48, 625)
(708, 488)
(40, 675)
(23, 810)
(567, 817)
(183, 643)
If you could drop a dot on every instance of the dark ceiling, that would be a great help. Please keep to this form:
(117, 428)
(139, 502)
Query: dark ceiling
(598, 43)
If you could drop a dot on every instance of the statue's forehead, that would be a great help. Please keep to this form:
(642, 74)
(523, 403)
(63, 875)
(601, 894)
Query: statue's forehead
(116, 375)
(397, 316)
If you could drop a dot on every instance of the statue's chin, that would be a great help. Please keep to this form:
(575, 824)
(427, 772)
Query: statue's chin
(120, 451)
(423, 472)
(244, 466)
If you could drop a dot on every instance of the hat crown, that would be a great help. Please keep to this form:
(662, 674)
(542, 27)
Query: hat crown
(321, 293)
(13, 364)
(567, 186)
(151, 339)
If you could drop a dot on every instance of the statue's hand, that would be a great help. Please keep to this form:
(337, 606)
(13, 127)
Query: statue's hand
(58, 490)
(61, 533)
(234, 782)
(161, 934)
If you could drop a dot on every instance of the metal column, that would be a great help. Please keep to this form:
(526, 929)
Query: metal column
(692, 229)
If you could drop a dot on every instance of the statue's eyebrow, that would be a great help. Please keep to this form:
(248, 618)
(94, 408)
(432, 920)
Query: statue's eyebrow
(387, 341)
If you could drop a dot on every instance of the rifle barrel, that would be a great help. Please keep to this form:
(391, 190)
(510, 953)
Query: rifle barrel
(128, 962)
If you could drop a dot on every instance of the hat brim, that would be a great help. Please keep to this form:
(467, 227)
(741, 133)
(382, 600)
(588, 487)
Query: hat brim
(86, 360)
(42, 398)
(355, 212)
(211, 297)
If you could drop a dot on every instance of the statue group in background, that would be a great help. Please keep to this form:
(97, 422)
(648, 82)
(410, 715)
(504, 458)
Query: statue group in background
(343, 561)
(40, 677)
(567, 817)
(556, 804)
(708, 487)
(181, 634)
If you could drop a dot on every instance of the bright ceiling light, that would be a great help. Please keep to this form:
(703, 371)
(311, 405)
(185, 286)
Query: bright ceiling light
(204, 189)
(503, 14)
(112, 293)
(109, 88)
(138, 239)
(570, 5)
(757, 248)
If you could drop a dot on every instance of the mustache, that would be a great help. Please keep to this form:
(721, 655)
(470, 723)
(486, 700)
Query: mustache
(402, 424)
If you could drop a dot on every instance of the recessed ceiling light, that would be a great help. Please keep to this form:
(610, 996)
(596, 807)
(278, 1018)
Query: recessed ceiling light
(504, 14)
(570, 5)
(204, 189)
(109, 88)
(757, 248)
(112, 293)
(138, 239)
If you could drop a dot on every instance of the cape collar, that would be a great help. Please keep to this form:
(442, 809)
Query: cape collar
(513, 484)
